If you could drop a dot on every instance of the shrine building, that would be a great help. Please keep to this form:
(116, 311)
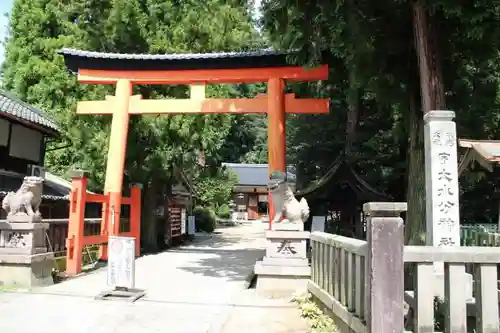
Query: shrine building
(250, 194)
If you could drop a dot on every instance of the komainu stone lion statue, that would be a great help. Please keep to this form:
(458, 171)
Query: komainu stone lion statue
(285, 204)
(26, 201)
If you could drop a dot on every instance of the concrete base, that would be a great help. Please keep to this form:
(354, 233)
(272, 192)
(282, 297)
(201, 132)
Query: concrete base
(124, 294)
(26, 270)
(280, 286)
(294, 262)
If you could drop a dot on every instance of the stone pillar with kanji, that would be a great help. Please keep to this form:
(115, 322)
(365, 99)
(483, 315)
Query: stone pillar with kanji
(441, 186)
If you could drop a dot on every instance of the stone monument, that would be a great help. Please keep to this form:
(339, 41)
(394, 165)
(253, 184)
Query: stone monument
(285, 267)
(441, 189)
(24, 258)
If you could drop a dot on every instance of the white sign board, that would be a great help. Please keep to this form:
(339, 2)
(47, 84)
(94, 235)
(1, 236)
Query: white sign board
(183, 221)
(121, 262)
(318, 223)
(191, 225)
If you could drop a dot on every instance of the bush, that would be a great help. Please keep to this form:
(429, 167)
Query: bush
(223, 212)
(204, 219)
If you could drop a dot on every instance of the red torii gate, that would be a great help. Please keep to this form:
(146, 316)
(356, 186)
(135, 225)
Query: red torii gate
(196, 70)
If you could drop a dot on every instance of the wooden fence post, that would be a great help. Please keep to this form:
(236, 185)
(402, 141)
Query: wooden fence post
(103, 248)
(74, 241)
(384, 281)
(135, 216)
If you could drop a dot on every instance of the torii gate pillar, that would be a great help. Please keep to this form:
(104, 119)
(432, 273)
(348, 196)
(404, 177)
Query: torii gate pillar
(276, 132)
(116, 155)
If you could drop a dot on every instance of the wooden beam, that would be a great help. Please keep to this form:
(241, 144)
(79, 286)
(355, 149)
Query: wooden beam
(197, 105)
(246, 75)
(197, 91)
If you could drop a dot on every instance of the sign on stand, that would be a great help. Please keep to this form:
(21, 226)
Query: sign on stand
(191, 225)
(121, 262)
(318, 223)
(121, 270)
(183, 221)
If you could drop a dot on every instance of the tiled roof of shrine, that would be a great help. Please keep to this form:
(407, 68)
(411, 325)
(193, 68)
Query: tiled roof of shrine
(341, 172)
(13, 107)
(484, 152)
(252, 174)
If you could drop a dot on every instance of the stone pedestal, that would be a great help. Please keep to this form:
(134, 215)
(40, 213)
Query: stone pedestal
(285, 268)
(24, 258)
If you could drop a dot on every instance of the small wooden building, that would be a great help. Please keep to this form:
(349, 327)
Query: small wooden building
(339, 195)
(250, 194)
(24, 131)
(176, 211)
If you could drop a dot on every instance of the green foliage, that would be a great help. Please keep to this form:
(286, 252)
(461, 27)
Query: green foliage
(214, 187)
(223, 211)
(204, 219)
(319, 321)
(157, 146)
(374, 70)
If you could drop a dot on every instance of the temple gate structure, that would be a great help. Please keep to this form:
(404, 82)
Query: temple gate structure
(196, 70)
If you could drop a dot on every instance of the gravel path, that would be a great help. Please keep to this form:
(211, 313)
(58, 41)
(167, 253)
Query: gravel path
(198, 288)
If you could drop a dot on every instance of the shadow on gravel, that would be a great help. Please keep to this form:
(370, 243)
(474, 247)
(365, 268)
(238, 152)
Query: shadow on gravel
(234, 265)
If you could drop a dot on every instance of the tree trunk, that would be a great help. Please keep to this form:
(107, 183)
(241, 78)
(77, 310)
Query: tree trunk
(415, 195)
(352, 119)
(433, 98)
(149, 228)
(426, 45)
(353, 94)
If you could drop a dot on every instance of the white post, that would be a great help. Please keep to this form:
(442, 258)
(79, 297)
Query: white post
(441, 189)
(441, 178)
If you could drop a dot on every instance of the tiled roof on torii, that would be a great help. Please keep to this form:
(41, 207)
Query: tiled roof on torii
(78, 59)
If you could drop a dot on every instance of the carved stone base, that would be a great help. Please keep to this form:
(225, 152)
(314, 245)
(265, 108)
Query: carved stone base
(285, 269)
(22, 238)
(24, 259)
(26, 270)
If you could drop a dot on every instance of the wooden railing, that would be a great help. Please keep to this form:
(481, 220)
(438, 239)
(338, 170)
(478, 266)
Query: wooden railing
(362, 282)
(58, 232)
